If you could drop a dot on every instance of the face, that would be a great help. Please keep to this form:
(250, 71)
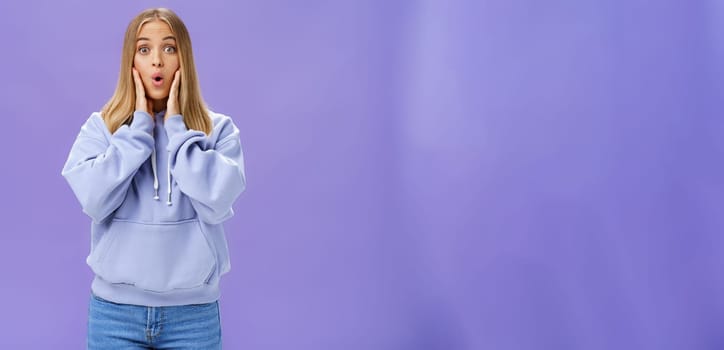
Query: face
(156, 59)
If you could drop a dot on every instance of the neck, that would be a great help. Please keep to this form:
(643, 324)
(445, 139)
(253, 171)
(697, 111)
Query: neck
(159, 105)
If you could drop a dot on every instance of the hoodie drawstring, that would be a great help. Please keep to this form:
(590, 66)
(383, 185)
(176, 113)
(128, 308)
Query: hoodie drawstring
(155, 176)
(168, 168)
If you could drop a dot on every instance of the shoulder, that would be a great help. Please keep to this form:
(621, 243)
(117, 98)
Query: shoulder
(96, 118)
(95, 126)
(220, 119)
(223, 125)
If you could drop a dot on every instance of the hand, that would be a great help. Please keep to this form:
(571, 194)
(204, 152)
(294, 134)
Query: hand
(172, 102)
(142, 103)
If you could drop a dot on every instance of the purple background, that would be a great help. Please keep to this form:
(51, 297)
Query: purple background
(421, 174)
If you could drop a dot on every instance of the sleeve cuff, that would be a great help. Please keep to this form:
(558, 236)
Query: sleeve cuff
(142, 121)
(175, 125)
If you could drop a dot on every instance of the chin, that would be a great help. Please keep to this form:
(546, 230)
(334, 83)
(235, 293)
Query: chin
(158, 96)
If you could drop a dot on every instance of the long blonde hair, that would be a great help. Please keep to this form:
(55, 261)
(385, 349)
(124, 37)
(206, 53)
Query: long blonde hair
(119, 109)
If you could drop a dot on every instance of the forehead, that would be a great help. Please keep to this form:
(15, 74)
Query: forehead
(156, 29)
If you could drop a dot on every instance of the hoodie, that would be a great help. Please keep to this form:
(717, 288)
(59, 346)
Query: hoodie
(157, 194)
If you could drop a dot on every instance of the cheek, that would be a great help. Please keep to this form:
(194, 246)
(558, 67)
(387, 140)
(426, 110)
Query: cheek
(173, 63)
(141, 61)
(140, 67)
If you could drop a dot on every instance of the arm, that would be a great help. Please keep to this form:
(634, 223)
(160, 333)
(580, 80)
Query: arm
(212, 178)
(99, 172)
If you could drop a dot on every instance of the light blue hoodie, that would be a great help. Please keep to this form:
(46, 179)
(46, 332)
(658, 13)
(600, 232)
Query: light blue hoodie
(157, 197)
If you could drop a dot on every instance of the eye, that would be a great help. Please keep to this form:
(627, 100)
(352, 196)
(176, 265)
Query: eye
(169, 49)
(143, 50)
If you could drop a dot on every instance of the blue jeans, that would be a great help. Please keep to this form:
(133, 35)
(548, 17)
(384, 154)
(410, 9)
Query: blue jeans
(122, 326)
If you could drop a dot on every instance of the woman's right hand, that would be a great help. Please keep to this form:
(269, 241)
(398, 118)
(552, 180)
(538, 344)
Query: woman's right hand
(142, 103)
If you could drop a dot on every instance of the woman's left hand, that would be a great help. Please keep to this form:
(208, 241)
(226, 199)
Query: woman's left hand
(172, 102)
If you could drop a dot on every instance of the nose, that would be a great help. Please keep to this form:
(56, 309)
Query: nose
(157, 60)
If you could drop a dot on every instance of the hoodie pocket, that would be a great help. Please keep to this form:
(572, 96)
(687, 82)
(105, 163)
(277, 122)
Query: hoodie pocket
(155, 257)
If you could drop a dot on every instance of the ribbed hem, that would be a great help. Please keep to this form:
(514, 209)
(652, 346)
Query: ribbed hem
(128, 294)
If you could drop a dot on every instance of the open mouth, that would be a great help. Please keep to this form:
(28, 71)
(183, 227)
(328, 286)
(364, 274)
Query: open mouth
(157, 79)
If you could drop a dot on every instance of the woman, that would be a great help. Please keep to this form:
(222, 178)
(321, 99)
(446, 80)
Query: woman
(157, 261)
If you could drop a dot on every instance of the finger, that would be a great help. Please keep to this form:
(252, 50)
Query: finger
(141, 101)
(175, 83)
(137, 81)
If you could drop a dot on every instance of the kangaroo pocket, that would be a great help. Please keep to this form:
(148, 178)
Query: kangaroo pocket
(155, 257)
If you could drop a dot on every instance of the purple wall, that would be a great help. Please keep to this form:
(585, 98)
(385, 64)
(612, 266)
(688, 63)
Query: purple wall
(421, 174)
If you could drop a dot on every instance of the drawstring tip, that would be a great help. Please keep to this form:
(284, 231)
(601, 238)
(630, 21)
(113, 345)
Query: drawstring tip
(156, 197)
(168, 203)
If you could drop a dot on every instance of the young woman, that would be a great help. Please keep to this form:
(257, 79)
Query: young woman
(157, 172)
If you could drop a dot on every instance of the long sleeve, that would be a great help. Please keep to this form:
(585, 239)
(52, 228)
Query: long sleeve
(212, 177)
(98, 171)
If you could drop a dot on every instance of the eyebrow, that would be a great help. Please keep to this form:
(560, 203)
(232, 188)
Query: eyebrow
(166, 38)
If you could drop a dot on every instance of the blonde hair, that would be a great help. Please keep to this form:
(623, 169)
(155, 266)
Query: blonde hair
(119, 109)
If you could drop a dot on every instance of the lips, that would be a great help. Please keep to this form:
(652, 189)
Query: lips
(157, 79)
